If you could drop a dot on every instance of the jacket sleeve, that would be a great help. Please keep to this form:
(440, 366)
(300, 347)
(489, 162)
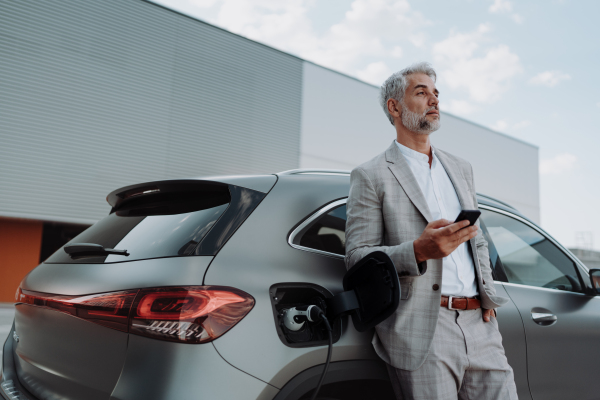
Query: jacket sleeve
(365, 228)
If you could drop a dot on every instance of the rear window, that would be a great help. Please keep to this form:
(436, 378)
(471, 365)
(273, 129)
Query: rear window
(154, 225)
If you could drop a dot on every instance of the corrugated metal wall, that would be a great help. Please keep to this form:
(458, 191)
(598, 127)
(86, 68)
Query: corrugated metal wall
(95, 95)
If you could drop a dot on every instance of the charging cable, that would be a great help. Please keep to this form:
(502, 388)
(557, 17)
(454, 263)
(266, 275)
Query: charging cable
(295, 318)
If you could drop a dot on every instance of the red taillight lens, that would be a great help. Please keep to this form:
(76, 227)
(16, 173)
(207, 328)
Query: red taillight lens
(190, 314)
(106, 309)
(195, 314)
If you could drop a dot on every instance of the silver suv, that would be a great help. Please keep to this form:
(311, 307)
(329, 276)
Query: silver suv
(179, 293)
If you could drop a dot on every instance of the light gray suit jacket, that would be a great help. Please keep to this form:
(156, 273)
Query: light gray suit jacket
(387, 211)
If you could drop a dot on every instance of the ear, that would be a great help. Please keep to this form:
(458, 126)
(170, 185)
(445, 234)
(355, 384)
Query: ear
(394, 108)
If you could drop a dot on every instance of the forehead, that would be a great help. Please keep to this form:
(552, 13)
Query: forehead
(419, 79)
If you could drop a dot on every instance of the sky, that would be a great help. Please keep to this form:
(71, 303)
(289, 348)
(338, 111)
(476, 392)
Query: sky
(526, 69)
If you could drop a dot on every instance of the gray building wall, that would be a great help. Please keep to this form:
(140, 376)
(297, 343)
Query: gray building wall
(95, 95)
(344, 126)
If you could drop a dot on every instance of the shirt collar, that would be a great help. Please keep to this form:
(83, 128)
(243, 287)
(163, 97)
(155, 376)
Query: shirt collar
(408, 152)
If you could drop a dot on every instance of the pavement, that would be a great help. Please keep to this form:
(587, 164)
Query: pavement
(7, 314)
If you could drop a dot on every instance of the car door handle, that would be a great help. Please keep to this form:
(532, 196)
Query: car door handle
(543, 318)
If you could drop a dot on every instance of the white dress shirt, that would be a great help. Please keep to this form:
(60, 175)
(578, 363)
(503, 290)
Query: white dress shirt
(458, 277)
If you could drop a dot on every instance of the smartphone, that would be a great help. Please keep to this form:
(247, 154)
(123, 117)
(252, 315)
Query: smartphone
(470, 215)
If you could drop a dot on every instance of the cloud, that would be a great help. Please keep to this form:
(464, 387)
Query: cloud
(375, 73)
(458, 107)
(500, 125)
(561, 163)
(203, 3)
(397, 52)
(503, 125)
(549, 78)
(504, 7)
(370, 28)
(485, 74)
(501, 6)
(517, 18)
(521, 125)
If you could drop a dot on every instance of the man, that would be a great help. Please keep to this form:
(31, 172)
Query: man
(443, 340)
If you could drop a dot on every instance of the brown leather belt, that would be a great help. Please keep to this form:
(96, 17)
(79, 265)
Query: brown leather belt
(460, 303)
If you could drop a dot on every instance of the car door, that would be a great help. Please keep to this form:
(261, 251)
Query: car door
(561, 321)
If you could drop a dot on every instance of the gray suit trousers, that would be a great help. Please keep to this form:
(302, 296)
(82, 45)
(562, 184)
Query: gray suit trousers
(466, 361)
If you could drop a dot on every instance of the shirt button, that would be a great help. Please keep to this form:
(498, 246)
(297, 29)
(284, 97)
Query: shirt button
(435, 287)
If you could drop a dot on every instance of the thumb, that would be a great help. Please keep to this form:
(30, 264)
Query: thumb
(440, 223)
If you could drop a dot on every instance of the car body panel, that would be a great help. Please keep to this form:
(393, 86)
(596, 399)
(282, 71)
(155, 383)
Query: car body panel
(510, 325)
(562, 357)
(253, 262)
(160, 370)
(80, 279)
(292, 200)
(60, 356)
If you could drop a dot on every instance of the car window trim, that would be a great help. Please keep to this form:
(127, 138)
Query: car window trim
(567, 252)
(576, 262)
(543, 288)
(309, 221)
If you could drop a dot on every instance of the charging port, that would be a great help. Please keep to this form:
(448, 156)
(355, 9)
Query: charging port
(301, 332)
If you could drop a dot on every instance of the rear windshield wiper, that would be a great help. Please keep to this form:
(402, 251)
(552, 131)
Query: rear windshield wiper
(91, 249)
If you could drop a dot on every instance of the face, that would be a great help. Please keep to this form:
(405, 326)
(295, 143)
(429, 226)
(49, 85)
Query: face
(419, 107)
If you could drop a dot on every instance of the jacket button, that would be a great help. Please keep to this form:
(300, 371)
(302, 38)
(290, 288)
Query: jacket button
(483, 281)
(436, 287)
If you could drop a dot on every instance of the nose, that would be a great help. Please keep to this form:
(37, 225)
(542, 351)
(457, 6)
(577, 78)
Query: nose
(433, 100)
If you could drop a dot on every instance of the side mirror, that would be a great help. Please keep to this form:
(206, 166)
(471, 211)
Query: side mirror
(595, 278)
(371, 292)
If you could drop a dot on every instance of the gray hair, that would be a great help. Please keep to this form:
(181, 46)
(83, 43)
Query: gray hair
(395, 86)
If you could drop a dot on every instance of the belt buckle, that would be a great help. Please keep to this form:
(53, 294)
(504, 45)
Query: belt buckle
(450, 303)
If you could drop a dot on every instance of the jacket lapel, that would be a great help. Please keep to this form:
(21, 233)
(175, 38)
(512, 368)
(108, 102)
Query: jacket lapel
(457, 179)
(401, 171)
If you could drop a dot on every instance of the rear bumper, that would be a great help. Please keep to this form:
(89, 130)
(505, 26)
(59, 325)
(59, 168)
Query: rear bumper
(160, 370)
(156, 370)
(10, 387)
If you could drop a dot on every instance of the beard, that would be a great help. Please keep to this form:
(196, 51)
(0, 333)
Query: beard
(418, 123)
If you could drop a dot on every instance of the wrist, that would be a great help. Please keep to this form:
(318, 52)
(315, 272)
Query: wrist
(419, 256)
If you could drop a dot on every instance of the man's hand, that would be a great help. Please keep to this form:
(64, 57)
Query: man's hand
(442, 237)
(488, 314)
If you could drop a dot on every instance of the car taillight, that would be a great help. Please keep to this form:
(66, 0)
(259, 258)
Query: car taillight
(106, 309)
(189, 314)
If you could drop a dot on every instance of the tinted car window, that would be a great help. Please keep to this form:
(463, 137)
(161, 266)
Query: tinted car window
(326, 233)
(527, 256)
(172, 226)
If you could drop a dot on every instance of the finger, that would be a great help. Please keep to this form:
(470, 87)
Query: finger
(455, 227)
(440, 223)
(465, 234)
(486, 315)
